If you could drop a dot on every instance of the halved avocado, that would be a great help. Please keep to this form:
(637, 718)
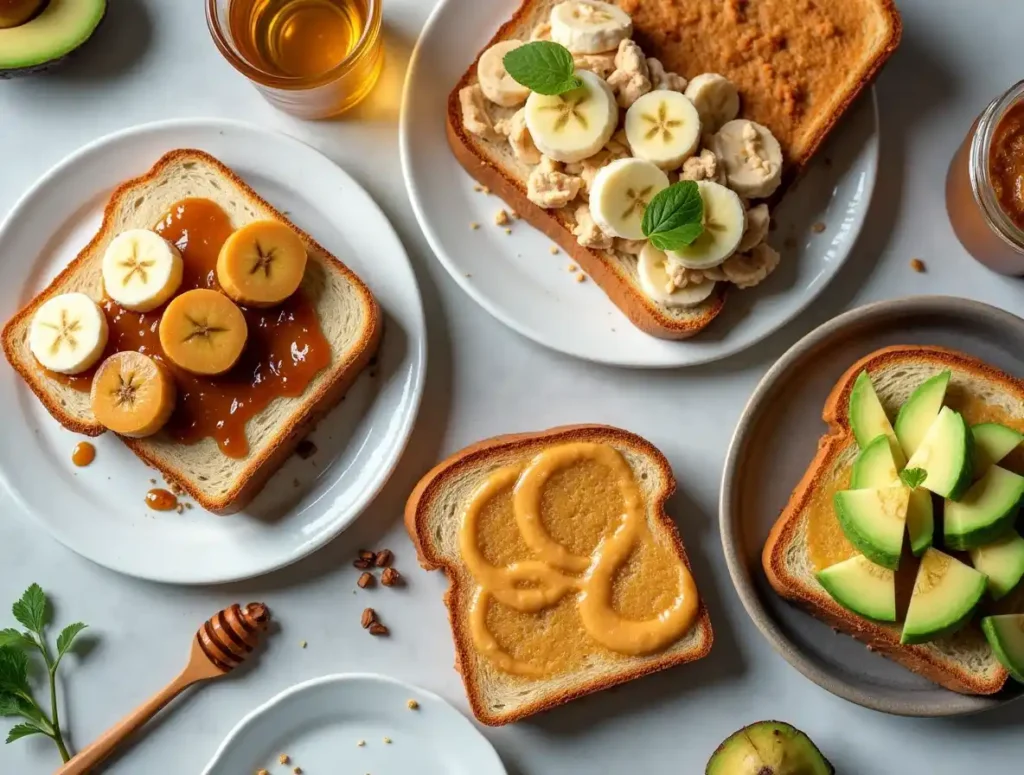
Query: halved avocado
(874, 520)
(1002, 561)
(867, 417)
(920, 411)
(992, 442)
(57, 30)
(1005, 634)
(861, 586)
(944, 454)
(945, 595)
(986, 512)
(768, 748)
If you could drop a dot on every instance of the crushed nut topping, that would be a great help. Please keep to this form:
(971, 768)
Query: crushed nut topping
(541, 32)
(704, 166)
(412, 705)
(587, 232)
(475, 117)
(661, 80)
(632, 78)
(519, 137)
(501, 218)
(601, 65)
(549, 188)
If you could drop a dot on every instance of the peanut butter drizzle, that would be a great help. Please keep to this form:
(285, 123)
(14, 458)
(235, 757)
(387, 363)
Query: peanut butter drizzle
(531, 586)
(230, 636)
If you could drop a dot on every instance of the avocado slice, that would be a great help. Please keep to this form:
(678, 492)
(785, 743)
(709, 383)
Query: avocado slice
(944, 454)
(859, 585)
(874, 520)
(867, 417)
(920, 411)
(1005, 634)
(945, 595)
(768, 748)
(992, 442)
(1002, 561)
(60, 28)
(986, 512)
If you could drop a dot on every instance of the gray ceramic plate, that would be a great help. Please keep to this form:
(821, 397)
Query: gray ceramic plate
(775, 440)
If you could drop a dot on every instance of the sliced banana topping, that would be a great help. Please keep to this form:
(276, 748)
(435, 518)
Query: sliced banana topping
(752, 157)
(621, 192)
(716, 99)
(654, 267)
(589, 27)
(570, 127)
(664, 128)
(724, 224)
(141, 270)
(132, 394)
(68, 333)
(261, 264)
(495, 82)
(758, 220)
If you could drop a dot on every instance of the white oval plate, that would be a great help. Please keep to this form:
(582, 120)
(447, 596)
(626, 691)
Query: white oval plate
(319, 724)
(99, 511)
(516, 278)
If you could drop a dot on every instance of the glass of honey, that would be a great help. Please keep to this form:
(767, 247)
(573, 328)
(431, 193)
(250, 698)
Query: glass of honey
(985, 185)
(310, 58)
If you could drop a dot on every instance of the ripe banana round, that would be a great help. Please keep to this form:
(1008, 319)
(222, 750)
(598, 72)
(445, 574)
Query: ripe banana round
(664, 128)
(589, 27)
(716, 99)
(758, 221)
(141, 270)
(655, 282)
(752, 158)
(724, 224)
(132, 394)
(203, 332)
(261, 264)
(495, 82)
(68, 333)
(572, 126)
(621, 192)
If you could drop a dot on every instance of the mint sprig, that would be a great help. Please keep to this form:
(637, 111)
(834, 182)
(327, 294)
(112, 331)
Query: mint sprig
(675, 216)
(913, 477)
(543, 67)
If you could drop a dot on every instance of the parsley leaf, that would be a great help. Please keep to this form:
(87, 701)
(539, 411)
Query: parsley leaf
(15, 639)
(32, 610)
(543, 67)
(67, 637)
(913, 477)
(13, 671)
(675, 216)
(23, 730)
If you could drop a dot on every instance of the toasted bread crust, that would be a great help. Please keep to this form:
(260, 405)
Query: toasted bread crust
(839, 436)
(319, 401)
(436, 479)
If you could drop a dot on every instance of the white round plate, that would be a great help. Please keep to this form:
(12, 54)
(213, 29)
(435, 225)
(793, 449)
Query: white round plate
(319, 724)
(516, 278)
(99, 511)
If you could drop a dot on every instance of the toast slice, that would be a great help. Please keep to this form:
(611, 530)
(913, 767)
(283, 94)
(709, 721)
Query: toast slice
(742, 42)
(962, 662)
(433, 516)
(349, 317)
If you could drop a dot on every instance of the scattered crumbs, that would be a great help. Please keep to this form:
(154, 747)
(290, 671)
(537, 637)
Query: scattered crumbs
(501, 218)
(387, 740)
(818, 228)
(180, 508)
(303, 644)
(508, 231)
(474, 225)
(514, 214)
(412, 705)
(917, 265)
(581, 278)
(361, 743)
(484, 190)
(478, 188)
(297, 771)
(573, 268)
(188, 505)
(789, 242)
(153, 481)
(284, 758)
(553, 250)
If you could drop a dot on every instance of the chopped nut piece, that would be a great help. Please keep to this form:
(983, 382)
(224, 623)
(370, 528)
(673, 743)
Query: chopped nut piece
(474, 226)
(508, 231)
(550, 188)
(390, 577)
(553, 250)
(519, 137)
(485, 190)
(412, 705)
(384, 558)
(478, 188)
(818, 228)
(378, 629)
(362, 564)
(284, 758)
(297, 771)
(662, 80)
(366, 554)
(632, 78)
(500, 218)
(703, 167)
(917, 265)
(365, 580)
(368, 618)
(587, 232)
(262, 772)
(474, 112)
(581, 278)
(573, 268)
(601, 65)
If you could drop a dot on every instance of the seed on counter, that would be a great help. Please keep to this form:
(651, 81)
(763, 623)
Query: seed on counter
(501, 218)
(361, 744)
(303, 643)
(387, 741)
(581, 278)
(384, 558)
(474, 225)
(508, 231)
(368, 618)
(573, 268)
(917, 265)
(412, 705)
(818, 228)
(365, 580)
(390, 577)
(379, 629)
(553, 250)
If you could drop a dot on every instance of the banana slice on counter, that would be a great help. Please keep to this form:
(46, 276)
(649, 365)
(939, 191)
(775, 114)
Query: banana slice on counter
(724, 224)
(621, 192)
(203, 331)
(141, 270)
(654, 280)
(261, 264)
(68, 333)
(752, 157)
(495, 82)
(716, 99)
(132, 394)
(589, 27)
(664, 128)
(572, 126)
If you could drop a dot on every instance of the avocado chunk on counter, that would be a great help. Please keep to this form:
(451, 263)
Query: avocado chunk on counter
(874, 520)
(1002, 561)
(944, 454)
(1005, 634)
(919, 412)
(946, 592)
(992, 442)
(57, 30)
(859, 585)
(867, 417)
(769, 748)
(986, 512)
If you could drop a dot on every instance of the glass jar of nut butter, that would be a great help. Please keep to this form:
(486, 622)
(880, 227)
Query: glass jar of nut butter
(985, 186)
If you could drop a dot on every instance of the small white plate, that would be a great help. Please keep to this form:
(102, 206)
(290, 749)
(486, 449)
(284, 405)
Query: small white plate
(516, 278)
(318, 725)
(99, 511)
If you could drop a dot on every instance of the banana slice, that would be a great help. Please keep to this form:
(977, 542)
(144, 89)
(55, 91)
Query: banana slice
(261, 264)
(716, 99)
(621, 192)
(655, 281)
(664, 128)
(141, 270)
(68, 333)
(203, 331)
(132, 395)
(724, 224)
(495, 82)
(751, 156)
(589, 27)
(756, 230)
(575, 125)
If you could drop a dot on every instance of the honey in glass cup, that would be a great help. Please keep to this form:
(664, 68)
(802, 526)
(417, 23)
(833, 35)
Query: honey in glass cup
(310, 58)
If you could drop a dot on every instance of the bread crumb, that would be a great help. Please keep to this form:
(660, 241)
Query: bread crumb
(297, 771)
(387, 740)
(284, 758)
(818, 228)
(361, 744)
(501, 218)
(514, 214)
(262, 772)
(573, 268)
(153, 481)
(485, 190)
(303, 644)
(412, 705)
(553, 250)
(581, 278)
(917, 265)
(508, 231)
(474, 225)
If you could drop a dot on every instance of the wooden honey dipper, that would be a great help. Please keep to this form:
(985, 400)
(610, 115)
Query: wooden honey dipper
(221, 645)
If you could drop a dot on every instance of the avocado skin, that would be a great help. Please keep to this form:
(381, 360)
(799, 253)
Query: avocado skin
(869, 550)
(988, 626)
(793, 749)
(51, 64)
(983, 535)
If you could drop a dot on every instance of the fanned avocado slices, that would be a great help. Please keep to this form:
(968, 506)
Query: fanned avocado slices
(863, 587)
(35, 35)
(946, 592)
(944, 454)
(992, 442)
(1002, 561)
(1005, 634)
(867, 417)
(769, 748)
(986, 512)
(874, 520)
(919, 412)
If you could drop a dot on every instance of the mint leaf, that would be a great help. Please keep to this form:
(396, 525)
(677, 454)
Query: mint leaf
(913, 477)
(13, 671)
(31, 611)
(15, 639)
(543, 67)
(67, 637)
(23, 730)
(675, 216)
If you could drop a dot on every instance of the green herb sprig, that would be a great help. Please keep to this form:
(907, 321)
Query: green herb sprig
(543, 67)
(675, 216)
(913, 477)
(33, 612)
